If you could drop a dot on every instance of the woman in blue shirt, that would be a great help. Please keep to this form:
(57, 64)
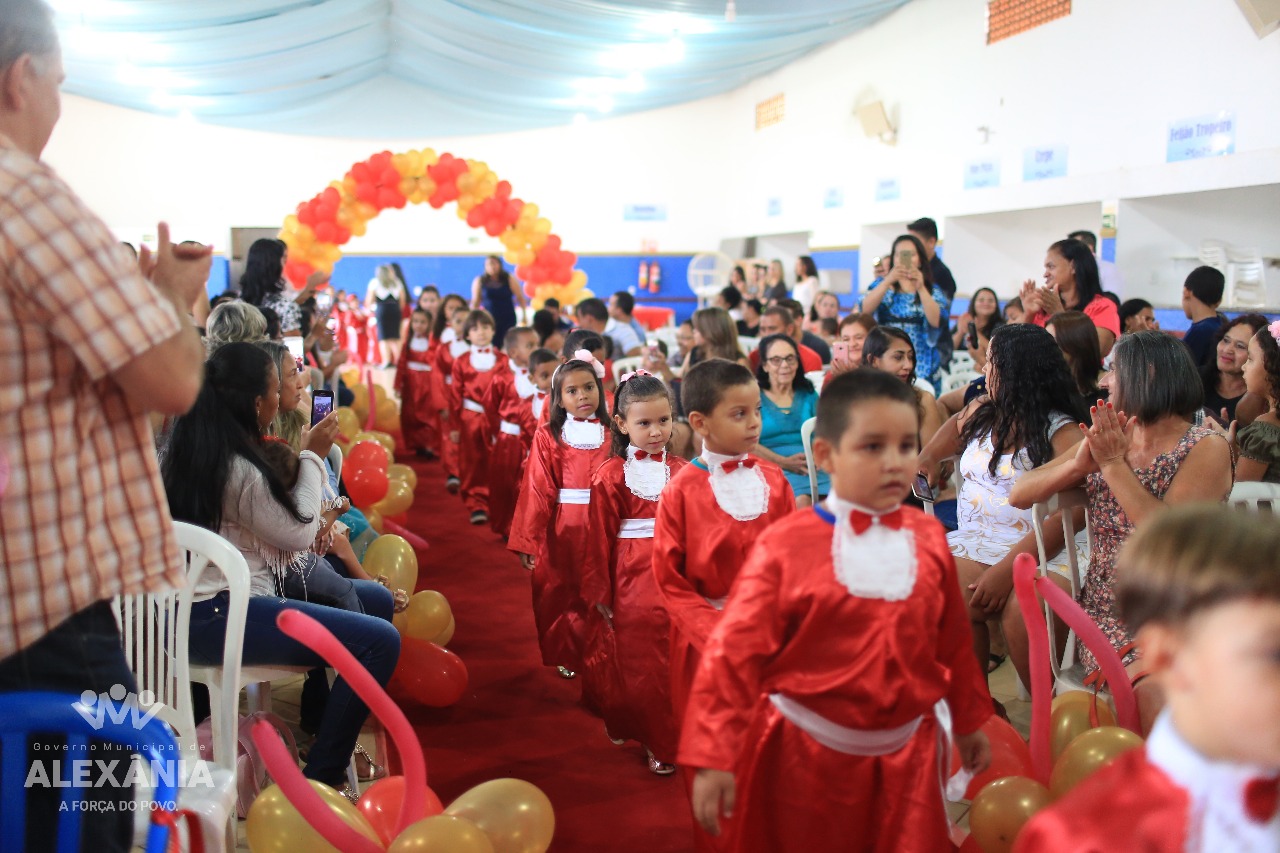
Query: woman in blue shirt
(907, 298)
(787, 400)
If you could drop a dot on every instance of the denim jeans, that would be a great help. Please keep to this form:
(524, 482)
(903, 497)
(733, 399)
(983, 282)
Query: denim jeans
(83, 653)
(370, 637)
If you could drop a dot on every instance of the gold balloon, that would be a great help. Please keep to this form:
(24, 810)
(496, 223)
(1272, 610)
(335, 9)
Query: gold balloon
(401, 621)
(386, 441)
(1089, 753)
(348, 422)
(374, 518)
(275, 825)
(1070, 718)
(516, 815)
(429, 615)
(360, 401)
(392, 556)
(441, 834)
(447, 634)
(400, 471)
(387, 415)
(379, 393)
(351, 377)
(1001, 809)
(399, 498)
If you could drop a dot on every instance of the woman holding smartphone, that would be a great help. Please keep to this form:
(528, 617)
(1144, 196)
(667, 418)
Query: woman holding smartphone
(907, 299)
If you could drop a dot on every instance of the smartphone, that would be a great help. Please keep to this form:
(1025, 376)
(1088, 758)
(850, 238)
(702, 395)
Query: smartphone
(295, 345)
(324, 301)
(921, 489)
(321, 405)
(839, 350)
(973, 335)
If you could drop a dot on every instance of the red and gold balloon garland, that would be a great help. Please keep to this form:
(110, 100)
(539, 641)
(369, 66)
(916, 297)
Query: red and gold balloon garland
(316, 233)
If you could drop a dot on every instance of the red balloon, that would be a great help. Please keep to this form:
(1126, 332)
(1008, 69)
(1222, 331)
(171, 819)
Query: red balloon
(297, 272)
(360, 171)
(366, 486)
(1010, 755)
(503, 189)
(475, 217)
(366, 454)
(380, 805)
(367, 192)
(428, 673)
(326, 232)
(331, 197)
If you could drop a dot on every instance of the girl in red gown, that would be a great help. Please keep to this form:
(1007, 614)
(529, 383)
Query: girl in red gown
(418, 421)
(512, 425)
(449, 345)
(473, 373)
(628, 661)
(549, 530)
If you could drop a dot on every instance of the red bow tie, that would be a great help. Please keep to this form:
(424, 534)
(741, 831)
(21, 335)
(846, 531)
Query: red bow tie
(482, 349)
(734, 464)
(640, 454)
(861, 521)
(1261, 799)
(585, 420)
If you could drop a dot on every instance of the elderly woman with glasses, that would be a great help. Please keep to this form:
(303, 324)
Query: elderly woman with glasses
(787, 400)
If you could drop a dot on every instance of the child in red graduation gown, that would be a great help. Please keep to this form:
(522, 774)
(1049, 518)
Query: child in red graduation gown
(549, 530)
(512, 426)
(576, 341)
(1199, 586)
(631, 631)
(473, 373)
(813, 711)
(418, 421)
(451, 345)
(713, 510)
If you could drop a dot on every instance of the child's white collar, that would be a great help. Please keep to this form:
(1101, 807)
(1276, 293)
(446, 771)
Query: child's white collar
(646, 478)
(743, 493)
(880, 563)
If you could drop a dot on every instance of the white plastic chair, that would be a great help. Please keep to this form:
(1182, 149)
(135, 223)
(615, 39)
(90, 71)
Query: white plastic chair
(335, 460)
(747, 345)
(1213, 253)
(817, 377)
(806, 438)
(1246, 285)
(155, 629)
(1068, 674)
(960, 361)
(958, 379)
(625, 365)
(1255, 495)
(669, 336)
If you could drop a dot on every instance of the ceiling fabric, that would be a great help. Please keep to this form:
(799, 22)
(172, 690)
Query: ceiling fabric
(401, 68)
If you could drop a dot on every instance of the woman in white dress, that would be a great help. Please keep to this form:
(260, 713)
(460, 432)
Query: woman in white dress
(1030, 415)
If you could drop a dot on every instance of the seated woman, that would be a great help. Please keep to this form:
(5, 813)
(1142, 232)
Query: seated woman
(787, 400)
(1137, 315)
(217, 478)
(1078, 339)
(1130, 472)
(714, 336)
(1071, 284)
(1028, 418)
(1223, 375)
(984, 314)
(889, 349)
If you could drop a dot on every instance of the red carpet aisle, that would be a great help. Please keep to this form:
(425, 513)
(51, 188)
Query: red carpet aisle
(519, 718)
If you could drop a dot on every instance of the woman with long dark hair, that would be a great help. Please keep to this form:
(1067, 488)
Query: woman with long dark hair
(1027, 418)
(1077, 337)
(217, 477)
(984, 314)
(907, 299)
(263, 284)
(1071, 284)
(497, 292)
(890, 349)
(1223, 374)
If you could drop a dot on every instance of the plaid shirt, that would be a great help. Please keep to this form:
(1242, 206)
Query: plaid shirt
(84, 516)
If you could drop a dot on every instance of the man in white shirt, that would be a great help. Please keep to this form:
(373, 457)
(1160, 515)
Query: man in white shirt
(1108, 273)
(593, 316)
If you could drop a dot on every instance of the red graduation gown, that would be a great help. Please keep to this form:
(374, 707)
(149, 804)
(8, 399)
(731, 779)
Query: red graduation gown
(791, 627)
(1129, 805)
(443, 377)
(698, 549)
(419, 420)
(635, 690)
(470, 384)
(506, 458)
(556, 534)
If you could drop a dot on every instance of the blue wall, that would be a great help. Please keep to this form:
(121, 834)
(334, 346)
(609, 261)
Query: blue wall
(841, 259)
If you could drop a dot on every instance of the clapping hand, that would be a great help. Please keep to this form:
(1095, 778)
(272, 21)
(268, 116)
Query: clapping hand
(1108, 438)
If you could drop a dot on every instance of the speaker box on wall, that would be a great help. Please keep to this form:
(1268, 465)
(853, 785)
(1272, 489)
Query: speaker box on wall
(1263, 15)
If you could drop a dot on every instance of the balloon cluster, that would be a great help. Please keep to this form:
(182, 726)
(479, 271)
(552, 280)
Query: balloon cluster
(318, 228)
(398, 813)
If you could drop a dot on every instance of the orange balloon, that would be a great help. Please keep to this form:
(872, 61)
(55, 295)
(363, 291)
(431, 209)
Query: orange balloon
(1070, 718)
(429, 615)
(1089, 753)
(442, 834)
(515, 814)
(1002, 808)
(380, 805)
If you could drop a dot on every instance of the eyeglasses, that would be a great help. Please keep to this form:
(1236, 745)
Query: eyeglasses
(782, 361)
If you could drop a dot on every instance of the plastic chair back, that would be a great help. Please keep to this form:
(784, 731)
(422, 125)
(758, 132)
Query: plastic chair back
(958, 379)
(37, 712)
(1255, 495)
(748, 345)
(625, 365)
(1063, 668)
(335, 460)
(806, 438)
(818, 378)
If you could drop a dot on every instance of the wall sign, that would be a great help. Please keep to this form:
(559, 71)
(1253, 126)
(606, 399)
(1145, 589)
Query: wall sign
(982, 173)
(1204, 136)
(774, 207)
(1041, 163)
(644, 213)
(888, 189)
(833, 197)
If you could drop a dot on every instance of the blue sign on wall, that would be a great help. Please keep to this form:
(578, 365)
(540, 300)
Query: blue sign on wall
(1204, 136)
(982, 173)
(834, 197)
(644, 213)
(888, 189)
(774, 207)
(1041, 163)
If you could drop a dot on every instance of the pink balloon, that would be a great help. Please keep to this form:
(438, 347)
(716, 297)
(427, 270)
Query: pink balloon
(412, 538)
